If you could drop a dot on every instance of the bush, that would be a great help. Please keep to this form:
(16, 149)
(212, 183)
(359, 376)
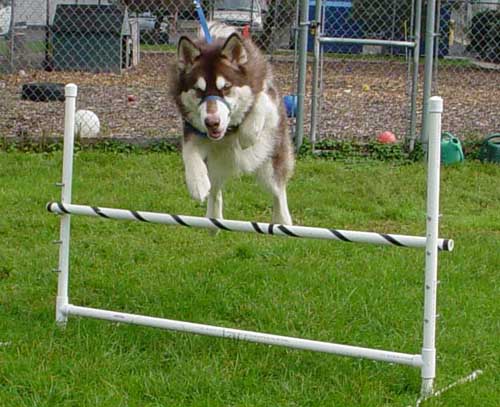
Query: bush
(484, 35)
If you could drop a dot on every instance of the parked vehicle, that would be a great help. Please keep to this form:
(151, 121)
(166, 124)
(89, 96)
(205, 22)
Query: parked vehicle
(240, 13)
(152, 30)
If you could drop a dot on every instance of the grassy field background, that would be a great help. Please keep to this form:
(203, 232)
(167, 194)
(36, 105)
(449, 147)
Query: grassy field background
(354, 294)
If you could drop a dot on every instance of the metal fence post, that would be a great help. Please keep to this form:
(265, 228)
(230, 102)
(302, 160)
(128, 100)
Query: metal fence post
(12, 33)
(416, 64)
(301, 89)
(316, 72)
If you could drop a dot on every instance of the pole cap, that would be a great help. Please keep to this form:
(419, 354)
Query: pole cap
(436, 104)
(70, 90)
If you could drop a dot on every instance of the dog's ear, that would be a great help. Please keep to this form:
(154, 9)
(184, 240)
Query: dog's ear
(187, 52)
(234, 50)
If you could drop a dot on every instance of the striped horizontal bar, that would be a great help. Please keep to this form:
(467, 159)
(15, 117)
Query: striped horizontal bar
(363, 41)
(249, 227)
(249, 336)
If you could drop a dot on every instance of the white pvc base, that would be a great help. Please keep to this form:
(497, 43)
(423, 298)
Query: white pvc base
(249, 336)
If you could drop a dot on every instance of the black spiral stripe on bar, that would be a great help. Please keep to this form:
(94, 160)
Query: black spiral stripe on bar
(391, 240)
(179, 220)
(270, 229)
(62, 208)
(286, 231)
(218, 224)
(99, 212)
(138, 216)
(446, 245)
(339, 235)
(256, 227)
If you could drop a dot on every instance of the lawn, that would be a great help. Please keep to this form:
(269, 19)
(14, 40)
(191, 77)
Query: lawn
(331, 291)
(4, 46)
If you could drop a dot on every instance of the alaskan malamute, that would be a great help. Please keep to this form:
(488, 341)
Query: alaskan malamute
(234, 119)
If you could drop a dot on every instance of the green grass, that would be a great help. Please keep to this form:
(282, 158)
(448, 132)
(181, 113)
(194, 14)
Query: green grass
(444, 62)
(356, 294)
(4, 46)
(31, 47)
(36, 46)
(158, 47)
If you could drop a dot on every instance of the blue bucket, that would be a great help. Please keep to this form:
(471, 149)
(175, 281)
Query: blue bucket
(290, 105)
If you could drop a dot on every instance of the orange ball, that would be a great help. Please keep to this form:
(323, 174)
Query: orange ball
(386, 137)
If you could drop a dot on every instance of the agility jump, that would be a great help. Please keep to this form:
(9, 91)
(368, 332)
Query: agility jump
(426, 360)
(247, 227)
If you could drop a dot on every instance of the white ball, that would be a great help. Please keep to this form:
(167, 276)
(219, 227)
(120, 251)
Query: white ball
(86, 124)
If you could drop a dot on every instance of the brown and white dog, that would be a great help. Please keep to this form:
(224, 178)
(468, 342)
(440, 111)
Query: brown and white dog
(234, 119)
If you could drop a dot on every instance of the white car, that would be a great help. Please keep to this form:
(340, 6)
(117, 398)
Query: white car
(239, 13)
(151, 32)
(5, 14)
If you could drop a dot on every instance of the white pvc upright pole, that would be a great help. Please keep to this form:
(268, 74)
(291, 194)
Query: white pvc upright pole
(431, 251)
(70, 92)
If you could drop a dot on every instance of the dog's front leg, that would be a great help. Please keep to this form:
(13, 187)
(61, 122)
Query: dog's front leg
(214, 203)
(252, 129)
(194, 155)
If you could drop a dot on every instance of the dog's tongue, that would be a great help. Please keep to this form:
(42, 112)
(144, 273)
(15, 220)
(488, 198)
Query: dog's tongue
(216, 134)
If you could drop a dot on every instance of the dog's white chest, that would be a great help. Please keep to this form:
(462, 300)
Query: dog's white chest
(252, 144)
(229, 158)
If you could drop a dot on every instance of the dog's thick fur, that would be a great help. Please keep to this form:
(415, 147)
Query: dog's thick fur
(242, 130)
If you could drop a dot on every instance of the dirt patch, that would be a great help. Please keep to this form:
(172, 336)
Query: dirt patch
(359, 100)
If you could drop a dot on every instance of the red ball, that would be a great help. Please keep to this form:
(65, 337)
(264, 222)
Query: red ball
(131, 98)
(386, 137)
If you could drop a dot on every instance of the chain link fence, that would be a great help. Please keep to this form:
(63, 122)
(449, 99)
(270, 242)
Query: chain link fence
(119, 53)
(468, 77)
(368, 88)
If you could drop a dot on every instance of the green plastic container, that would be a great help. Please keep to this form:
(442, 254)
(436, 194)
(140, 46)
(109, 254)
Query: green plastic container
(490, 149)
(451, 149)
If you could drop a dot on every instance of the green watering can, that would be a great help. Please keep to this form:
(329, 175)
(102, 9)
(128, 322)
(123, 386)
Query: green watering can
(490, 149)
(451, 149)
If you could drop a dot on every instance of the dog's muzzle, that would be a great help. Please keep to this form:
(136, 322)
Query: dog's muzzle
(215, 97)
(216, 122)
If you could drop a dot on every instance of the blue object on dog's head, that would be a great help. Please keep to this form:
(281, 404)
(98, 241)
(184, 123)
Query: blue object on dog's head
(290, 105)
(215, 97)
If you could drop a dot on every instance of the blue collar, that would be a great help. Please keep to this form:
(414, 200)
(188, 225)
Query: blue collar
(189, 128)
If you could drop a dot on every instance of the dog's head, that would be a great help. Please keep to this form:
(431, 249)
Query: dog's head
(215, 88)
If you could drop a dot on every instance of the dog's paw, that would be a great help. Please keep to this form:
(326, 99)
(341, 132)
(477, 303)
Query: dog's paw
(198, 187)
(282, 219)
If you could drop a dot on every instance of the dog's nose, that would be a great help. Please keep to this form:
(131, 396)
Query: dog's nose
(212, 122)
